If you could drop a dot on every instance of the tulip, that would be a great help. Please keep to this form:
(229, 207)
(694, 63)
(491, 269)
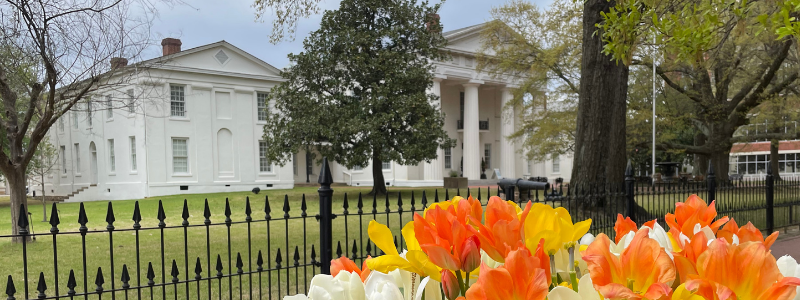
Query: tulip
(345, 264)
(543, 223)
(585, 291)
(503, 228)
(443, 232)
(470, 254)
(643, 270)
(744, 271)
(414, 260)
(693, 211)
(747, 233)
(789, 268)
(686, 260)
(570, 233)
(382, 286)
(519, 279)
(344, 286)
(450, 285)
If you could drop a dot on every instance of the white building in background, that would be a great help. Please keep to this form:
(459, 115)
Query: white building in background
(193, 121)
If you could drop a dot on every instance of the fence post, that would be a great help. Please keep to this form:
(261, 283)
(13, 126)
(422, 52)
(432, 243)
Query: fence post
(630, 197)
(325, 217)
(711, 181)
(770, 200)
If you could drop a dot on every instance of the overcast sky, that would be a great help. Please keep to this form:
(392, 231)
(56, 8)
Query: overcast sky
(207, 21)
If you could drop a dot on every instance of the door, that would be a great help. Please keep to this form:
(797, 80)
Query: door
(93, 167)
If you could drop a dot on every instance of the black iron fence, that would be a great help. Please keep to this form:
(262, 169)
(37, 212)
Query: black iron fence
(251, 251)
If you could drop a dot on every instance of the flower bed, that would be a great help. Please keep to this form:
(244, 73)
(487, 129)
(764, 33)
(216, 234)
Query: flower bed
(537, 252)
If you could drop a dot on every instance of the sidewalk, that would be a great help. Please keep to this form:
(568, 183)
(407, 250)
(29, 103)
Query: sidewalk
(787, 243)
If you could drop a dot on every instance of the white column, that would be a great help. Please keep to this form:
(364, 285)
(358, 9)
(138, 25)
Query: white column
(472, 147)
(506, 129)
(434, 170)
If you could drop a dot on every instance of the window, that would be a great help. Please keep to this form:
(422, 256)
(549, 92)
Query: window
(448, 158)
(180, 156)
(77, 158)
(177, 101)
(556, 163)
(386, 165)
(294, 163)
(133, 153)
(74, 119)
(64, 159)
(487, 155)
(264, 164)
(131, 108)
(358, 168)
(89, 113)
(261, 98)
(112, 160)
(109, 108)
(462, 106)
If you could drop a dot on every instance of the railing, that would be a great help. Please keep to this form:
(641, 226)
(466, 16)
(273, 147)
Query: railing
(482, 125)
(251, 251)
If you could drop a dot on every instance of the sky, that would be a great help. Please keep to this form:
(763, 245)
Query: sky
(201, 22)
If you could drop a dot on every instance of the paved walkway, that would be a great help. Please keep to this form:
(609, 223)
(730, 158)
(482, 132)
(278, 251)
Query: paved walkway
(788, 243)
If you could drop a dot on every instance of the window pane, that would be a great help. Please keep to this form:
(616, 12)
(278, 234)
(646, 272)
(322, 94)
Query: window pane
(741, 158)
(448, 158)
(487, 155)
(77, 158)
(751, 168)
(387, 165)
(762, 168)
(262, 106)
(64, 159)
(131, 108)
(265, 166)
(790, 156)
(751, 158)
(111, 159)
(180, 156)
(741, 168)
(781, 167)
(177, 101)
(109, 108)
(790, 167)
(133, 153)
(761, 157)
(782, 157)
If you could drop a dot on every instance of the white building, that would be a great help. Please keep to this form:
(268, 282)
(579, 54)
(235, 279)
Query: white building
(192, 125)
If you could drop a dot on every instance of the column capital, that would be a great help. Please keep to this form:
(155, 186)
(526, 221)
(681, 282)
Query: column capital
(439, 77)
(473, 82)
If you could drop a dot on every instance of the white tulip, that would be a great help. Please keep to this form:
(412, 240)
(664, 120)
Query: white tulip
(789, 268)
(345, 286)
(586, 239)
(586, 291)
(380, 286)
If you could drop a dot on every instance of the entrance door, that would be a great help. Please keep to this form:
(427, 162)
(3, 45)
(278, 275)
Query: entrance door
(93, 169)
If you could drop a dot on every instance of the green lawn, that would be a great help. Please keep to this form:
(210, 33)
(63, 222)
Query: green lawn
(281, 232)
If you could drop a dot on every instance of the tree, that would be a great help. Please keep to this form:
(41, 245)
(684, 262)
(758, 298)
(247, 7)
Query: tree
(41, 165)
(358, 93)
(287, 14)
(54, 55)
(541, 49)
(726, 57)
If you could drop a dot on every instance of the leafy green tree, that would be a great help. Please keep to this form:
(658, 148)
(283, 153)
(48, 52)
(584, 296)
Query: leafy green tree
(541, 48)
(726, 57)
(358, 93)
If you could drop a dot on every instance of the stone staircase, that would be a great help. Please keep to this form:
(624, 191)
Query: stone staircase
(73, 194)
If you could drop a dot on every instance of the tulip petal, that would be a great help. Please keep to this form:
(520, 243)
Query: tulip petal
(410, 237)
(441, 257)
(381, 236)
(581, 228)
(563, 293)
(586, 289)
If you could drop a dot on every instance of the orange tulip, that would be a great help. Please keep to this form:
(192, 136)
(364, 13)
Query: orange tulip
(747, 233)
(445, 236)
(693, 211)
(748, 270)
(623, 226)
(345, 264)
(521, 278)
(503, 228)
(643, 270)
(450, 285)
(686, 260)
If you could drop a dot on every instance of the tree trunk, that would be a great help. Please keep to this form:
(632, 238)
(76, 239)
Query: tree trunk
(600, 138)
(379, 184)
(773, 159)
(16, 183)
(700, 160)
(720, 161)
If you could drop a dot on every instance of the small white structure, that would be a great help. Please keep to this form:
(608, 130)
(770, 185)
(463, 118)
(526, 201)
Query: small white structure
(192, 123)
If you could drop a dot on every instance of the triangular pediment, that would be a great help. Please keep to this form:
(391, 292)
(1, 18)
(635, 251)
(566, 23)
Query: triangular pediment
(221, 57)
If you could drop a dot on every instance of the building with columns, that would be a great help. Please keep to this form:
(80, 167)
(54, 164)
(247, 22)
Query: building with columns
(193, 124)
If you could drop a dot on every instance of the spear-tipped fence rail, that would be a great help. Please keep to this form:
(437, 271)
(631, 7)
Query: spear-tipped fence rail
(290, 248)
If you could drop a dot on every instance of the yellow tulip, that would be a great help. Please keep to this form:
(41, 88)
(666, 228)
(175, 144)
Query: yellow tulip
(543, 223)
(571, 233)
(414, 260)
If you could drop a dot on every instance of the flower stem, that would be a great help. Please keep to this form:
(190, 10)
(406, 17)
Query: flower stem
(573, 277)
(460, 279)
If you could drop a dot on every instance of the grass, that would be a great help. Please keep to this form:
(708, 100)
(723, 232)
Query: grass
(279, 234)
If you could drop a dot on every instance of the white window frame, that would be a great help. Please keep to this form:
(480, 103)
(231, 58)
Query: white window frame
(174, 101)
(264, 165)
(132, 141)
(556, 163)
(384, 164)
(63, 160)
(89, 114)
(358, 169)
(448, 158)
(112, 157)
(186, 157)
(261, 106)
(77, 149)
(109, 109)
